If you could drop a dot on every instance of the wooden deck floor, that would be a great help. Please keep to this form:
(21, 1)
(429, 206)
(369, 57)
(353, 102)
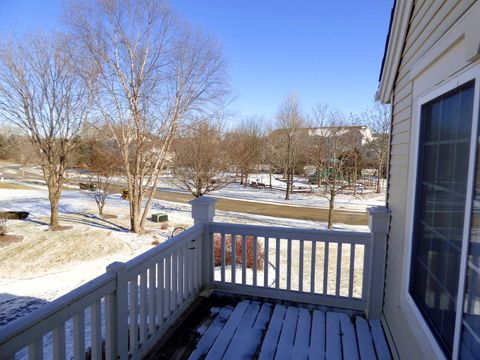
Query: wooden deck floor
(252, 329)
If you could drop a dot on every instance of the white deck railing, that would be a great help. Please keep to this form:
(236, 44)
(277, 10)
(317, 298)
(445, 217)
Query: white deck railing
(126, 311)
(314, 266)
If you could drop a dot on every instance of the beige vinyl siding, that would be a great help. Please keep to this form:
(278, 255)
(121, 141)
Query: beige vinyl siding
(429, 21)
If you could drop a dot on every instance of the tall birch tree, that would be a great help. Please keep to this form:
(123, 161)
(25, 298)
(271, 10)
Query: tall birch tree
(153, 72)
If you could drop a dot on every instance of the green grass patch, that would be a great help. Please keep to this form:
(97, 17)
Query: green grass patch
(14, 186)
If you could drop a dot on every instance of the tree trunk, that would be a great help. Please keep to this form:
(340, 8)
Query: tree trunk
(270, 177)
(287, 192)
(355, 180)
(100, 209)
(331, 204)
(379, 176)
(330, 213)
(54, 211)
(291, 182)
(135, 221)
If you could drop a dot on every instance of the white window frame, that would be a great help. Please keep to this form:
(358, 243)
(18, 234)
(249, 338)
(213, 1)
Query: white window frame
(413, 315)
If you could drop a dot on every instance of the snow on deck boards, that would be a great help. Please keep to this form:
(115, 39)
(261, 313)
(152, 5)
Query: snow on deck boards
(255, 330)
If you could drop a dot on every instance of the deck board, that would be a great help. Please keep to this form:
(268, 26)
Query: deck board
(379, 341)
(254, 330)
(364, 339)
(302, 337)
(334, 340)
(317, 336)
(270, 341)
(246, 339)
(225, 336)
(349, 339)
(287, 336)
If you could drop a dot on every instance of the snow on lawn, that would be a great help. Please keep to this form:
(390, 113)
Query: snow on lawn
(357, 202)
(46, 264)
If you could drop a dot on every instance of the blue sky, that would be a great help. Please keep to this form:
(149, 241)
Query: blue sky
(325, 51)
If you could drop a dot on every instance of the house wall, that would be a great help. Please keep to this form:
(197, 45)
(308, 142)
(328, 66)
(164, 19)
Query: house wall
(441, 42)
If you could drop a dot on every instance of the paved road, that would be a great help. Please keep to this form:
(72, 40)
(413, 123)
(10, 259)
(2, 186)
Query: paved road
(243, 206)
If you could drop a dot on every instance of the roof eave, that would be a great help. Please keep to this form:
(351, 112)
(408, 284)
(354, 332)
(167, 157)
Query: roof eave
(398, 33)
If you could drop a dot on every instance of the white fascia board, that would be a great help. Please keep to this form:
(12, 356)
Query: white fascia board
(397, 38)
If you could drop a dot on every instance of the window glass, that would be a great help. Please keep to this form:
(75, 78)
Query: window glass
(440, 209)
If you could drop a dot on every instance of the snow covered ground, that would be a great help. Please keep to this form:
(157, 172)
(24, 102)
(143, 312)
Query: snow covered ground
(350, 202)
(46, 265)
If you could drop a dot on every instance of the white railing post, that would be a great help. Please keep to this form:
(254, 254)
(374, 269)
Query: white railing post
(378, 222)
(117, 314)
(203, 212)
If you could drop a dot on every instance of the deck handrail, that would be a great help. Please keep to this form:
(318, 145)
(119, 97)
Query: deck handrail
(135, 303)
(358, 237)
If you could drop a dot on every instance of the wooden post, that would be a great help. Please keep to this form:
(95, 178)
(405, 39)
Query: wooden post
(118, 313)
(203, 212)
(378, 222)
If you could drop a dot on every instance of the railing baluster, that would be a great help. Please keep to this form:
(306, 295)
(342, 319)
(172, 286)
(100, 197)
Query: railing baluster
(277, 263)
(265, 263)
(152, 299)
(234, 259)
(366, 284)
(325, 269)
(313, 267)
(181, 273)
(255, 260)
(199, 261)
(79, 336)
(133, 314)
(339, 269)
(173, 301)
(35, 350)
(188, 271)
(300, 267)
(352, 269)
(96, 329)
(244, 259)
(168, 285)
(110, 327)
(222, 258)
(58, 341)
(289, 264)
(161, 292)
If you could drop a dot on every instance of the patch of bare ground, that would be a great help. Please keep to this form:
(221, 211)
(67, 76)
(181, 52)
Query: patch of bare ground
(45, 252)
(8, 239)
(61, 228)
(109, 216)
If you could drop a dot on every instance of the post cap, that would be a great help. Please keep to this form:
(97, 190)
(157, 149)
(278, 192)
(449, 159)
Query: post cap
(378, 219)
(203, 209)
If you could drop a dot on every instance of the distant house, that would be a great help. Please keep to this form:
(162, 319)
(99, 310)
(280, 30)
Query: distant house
(431, 76)
(360, 135)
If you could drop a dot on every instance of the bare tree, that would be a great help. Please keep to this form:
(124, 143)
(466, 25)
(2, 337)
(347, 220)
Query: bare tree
(316, 151)
(200, 162)
(378, 119)
(104, 165)
(42, 93)
(152, 72)
(333, 128)
(245, 146)
(290, 123)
